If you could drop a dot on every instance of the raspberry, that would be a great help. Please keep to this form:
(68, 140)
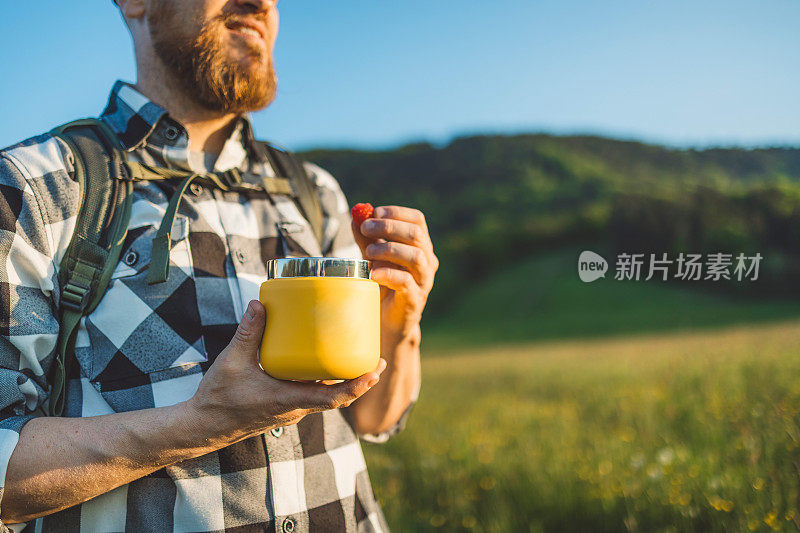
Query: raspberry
(361, 212)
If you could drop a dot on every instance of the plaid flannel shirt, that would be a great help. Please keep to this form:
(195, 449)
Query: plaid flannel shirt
(149, 345)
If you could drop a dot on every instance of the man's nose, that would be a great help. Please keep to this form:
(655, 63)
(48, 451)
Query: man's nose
(257, 5)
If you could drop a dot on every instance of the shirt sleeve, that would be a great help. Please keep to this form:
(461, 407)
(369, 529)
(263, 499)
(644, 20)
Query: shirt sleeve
(338, 241)
(28, 319)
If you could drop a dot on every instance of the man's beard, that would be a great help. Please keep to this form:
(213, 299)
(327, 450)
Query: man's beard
(202, 67)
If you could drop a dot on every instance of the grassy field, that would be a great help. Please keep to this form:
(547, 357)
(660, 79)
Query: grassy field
(676, 431)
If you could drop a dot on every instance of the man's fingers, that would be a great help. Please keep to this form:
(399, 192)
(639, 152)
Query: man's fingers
(397, 231)
(394, 278)
(319, 397)
(412, 258)
(407, 214)
(381, 366)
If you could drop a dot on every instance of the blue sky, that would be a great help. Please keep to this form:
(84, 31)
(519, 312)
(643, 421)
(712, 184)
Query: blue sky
(375, 73)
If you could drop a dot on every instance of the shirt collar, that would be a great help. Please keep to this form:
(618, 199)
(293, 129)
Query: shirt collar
(131, 115)
(143, 125)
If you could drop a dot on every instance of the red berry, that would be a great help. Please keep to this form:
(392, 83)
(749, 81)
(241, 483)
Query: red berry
(361, 212)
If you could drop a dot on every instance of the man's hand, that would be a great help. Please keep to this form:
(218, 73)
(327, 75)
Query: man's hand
(61, 462)
(403, 263)
(237, 399)
(398, 243)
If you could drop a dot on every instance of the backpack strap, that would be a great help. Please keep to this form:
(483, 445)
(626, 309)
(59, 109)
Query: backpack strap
(159, 263)
(290, 168)
(100, 230)
(158, 271)
(296, 184)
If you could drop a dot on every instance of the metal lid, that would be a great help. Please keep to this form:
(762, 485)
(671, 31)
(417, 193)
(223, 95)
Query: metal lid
(336, 267)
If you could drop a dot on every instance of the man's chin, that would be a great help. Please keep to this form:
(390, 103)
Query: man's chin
(254, 70)
(247, 52)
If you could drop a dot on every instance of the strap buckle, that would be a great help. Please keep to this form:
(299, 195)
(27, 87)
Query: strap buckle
(74, 296)
(231, 177)
(277, 185)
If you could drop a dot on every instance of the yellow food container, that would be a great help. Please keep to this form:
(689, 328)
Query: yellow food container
(323, 318)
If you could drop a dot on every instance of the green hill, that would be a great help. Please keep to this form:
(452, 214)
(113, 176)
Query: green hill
(495, 203)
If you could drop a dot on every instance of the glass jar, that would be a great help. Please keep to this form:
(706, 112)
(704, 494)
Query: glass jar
(323, 318)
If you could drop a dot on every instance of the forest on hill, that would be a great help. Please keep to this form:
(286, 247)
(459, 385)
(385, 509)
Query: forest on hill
(493, 201)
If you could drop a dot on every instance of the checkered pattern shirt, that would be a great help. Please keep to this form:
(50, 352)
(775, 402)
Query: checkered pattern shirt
(149, 345)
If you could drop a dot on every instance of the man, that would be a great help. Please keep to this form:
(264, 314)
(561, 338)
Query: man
(170, 424)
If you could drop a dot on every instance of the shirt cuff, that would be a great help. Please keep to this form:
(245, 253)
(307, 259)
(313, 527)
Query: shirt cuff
(398, 426)
(9, 437)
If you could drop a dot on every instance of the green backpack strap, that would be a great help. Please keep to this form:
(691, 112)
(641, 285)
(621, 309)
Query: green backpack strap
(158, 271)
(292, 181)
(304, 191)
(100, 230)
(159, 262)
(296, 183)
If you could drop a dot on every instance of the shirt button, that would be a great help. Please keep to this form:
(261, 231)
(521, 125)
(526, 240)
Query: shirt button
(241, 256)
(196, 189)
(171, 133)
(288, 525)
(130, 258)
(276, 432)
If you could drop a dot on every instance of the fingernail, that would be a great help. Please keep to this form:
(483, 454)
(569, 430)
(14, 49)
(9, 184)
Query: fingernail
(381, 366)
(371, 249)
(377, 212)
(251, 311)
(368, 225)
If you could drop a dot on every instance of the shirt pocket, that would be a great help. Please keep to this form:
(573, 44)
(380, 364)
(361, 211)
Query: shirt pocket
(297, 237)
(138, 328)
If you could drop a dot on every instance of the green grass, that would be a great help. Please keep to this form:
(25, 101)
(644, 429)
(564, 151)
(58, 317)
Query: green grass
(664, 432)
(543, 298)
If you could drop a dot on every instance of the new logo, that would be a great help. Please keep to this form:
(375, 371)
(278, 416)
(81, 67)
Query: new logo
(591, 266)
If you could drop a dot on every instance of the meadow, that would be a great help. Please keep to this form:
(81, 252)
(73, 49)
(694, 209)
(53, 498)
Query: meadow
(671, 431)
(549, 404)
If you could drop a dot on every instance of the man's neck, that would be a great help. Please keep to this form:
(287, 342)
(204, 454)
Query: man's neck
(208, 130)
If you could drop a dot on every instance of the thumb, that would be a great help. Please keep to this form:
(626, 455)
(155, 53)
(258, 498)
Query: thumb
(247, 339)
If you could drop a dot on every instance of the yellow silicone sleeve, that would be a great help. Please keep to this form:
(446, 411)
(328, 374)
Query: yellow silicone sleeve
(320, 327)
